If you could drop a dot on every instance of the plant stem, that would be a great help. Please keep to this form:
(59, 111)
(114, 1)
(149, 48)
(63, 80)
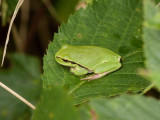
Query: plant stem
(17, 95)
(147, 88)
(158, 5)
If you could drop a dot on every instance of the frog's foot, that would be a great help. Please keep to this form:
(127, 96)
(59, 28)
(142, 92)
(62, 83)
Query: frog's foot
(94, 76)
(78, 70)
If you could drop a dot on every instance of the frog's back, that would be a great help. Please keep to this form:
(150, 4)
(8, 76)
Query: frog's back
(87, 56)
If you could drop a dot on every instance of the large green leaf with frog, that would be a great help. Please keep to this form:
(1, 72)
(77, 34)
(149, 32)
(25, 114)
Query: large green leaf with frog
(112, 24)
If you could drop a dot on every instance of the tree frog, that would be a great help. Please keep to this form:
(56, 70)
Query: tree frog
(88, 59)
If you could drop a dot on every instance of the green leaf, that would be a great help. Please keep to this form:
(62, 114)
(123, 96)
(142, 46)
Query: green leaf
(126, 108)
(24, 78)
(55, 105)
(8, 7)
(112, 24)
(152, 41)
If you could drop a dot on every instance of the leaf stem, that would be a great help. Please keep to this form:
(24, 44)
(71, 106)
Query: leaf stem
(158, 5)
(18, 96)
(147, 89)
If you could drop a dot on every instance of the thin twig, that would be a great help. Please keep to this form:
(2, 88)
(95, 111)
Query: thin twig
(17, 95)
(9, 30)
(158, 5)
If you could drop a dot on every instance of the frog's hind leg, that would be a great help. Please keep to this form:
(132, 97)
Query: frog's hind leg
(94, 76)
(102, 70)
(107, 67)
(78, 70)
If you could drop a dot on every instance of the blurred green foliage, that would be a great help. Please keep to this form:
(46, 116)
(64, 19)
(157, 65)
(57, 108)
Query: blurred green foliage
(22, 76)
(127, 107)
(65, 8)
(55, 105)
(152, 41)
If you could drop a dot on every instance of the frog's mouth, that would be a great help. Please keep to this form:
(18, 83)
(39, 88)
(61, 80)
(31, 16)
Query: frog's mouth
(89, 71)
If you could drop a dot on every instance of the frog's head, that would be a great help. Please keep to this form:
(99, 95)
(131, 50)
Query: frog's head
(63, 53)
(117, 58)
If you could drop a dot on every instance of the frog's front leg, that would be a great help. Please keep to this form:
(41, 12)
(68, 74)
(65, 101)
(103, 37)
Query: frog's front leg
(78, 70)
(103, 69)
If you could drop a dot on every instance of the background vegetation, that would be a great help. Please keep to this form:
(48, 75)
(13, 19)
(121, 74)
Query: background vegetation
(130, 28)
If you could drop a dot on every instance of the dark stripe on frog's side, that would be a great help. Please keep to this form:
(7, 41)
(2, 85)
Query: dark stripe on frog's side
(89, 71)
